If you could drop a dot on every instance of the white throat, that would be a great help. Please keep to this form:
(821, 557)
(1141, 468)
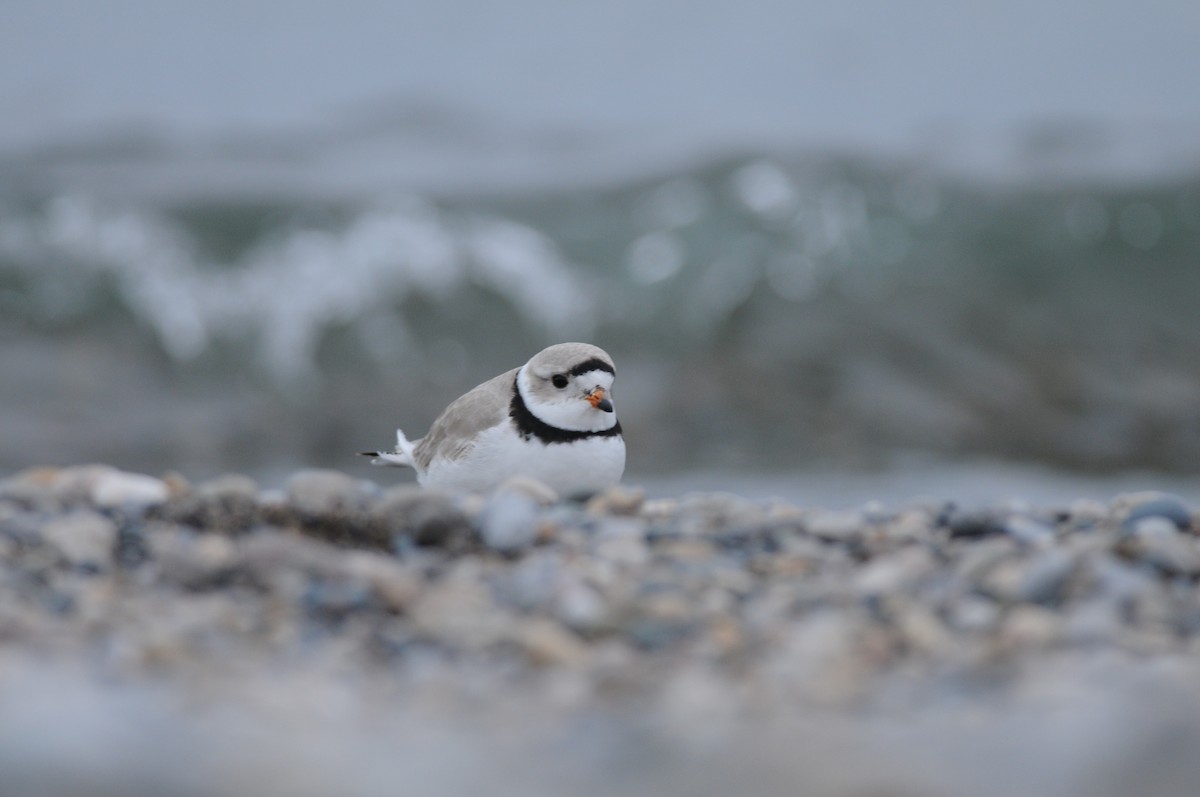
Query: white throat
(570, 410)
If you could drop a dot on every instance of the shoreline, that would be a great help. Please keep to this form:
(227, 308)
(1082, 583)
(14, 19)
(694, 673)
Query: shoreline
(687, 622)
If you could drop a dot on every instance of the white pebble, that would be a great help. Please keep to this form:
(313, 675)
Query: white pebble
(115, 488)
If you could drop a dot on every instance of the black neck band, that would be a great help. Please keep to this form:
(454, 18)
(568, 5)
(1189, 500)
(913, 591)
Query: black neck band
(529, 425)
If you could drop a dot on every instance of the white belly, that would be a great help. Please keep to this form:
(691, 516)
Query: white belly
(576, 467)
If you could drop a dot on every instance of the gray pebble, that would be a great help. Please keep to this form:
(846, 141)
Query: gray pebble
(191, 560)
(617, 500)
(620, 541)
(427, 517)
(978, 560)
(1119, 581)
(846, 526)
(117, 489)
(30, 488)
(230, 485)
(1164, 506)
(582, 608)
(24, 528)
(533, 581)
(1152, 527)
(325, 492)
(1029, 531)
(704, 513)
(1046, 578)
(509, 521)
(895, 572)
(1156, 541)
(1093, 622)
(85, 539)
(974, 614)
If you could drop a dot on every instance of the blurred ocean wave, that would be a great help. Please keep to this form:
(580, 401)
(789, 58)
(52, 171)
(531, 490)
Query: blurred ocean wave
(285, 292)
(766, 311)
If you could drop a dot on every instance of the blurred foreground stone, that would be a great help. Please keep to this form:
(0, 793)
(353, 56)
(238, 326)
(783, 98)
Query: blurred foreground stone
(701, 636)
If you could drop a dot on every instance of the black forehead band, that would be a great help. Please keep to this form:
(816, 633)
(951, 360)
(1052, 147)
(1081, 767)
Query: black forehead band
(594, 364)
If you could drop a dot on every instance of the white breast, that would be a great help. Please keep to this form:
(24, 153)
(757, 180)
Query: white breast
(500, 453)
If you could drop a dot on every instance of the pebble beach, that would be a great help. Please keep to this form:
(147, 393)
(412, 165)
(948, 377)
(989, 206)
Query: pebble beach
(336, 636)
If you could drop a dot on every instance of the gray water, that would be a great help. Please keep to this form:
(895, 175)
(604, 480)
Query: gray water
(815, 239)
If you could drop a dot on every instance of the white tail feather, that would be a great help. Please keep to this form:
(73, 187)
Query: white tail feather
(402, 457)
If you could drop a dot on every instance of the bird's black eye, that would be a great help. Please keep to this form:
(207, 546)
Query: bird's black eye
(559, 381)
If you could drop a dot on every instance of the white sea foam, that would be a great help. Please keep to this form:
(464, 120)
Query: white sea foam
(287, 292)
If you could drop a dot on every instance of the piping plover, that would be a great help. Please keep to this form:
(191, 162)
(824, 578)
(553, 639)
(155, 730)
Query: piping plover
(551, 419)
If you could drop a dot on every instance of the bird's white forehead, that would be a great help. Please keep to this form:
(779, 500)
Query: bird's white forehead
(596, 377)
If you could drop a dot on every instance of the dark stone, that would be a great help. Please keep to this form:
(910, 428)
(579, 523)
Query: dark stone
(652, 634)
(428, 518)
(973, 525)
(132, 549)
(748, 539)
(226, 505)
